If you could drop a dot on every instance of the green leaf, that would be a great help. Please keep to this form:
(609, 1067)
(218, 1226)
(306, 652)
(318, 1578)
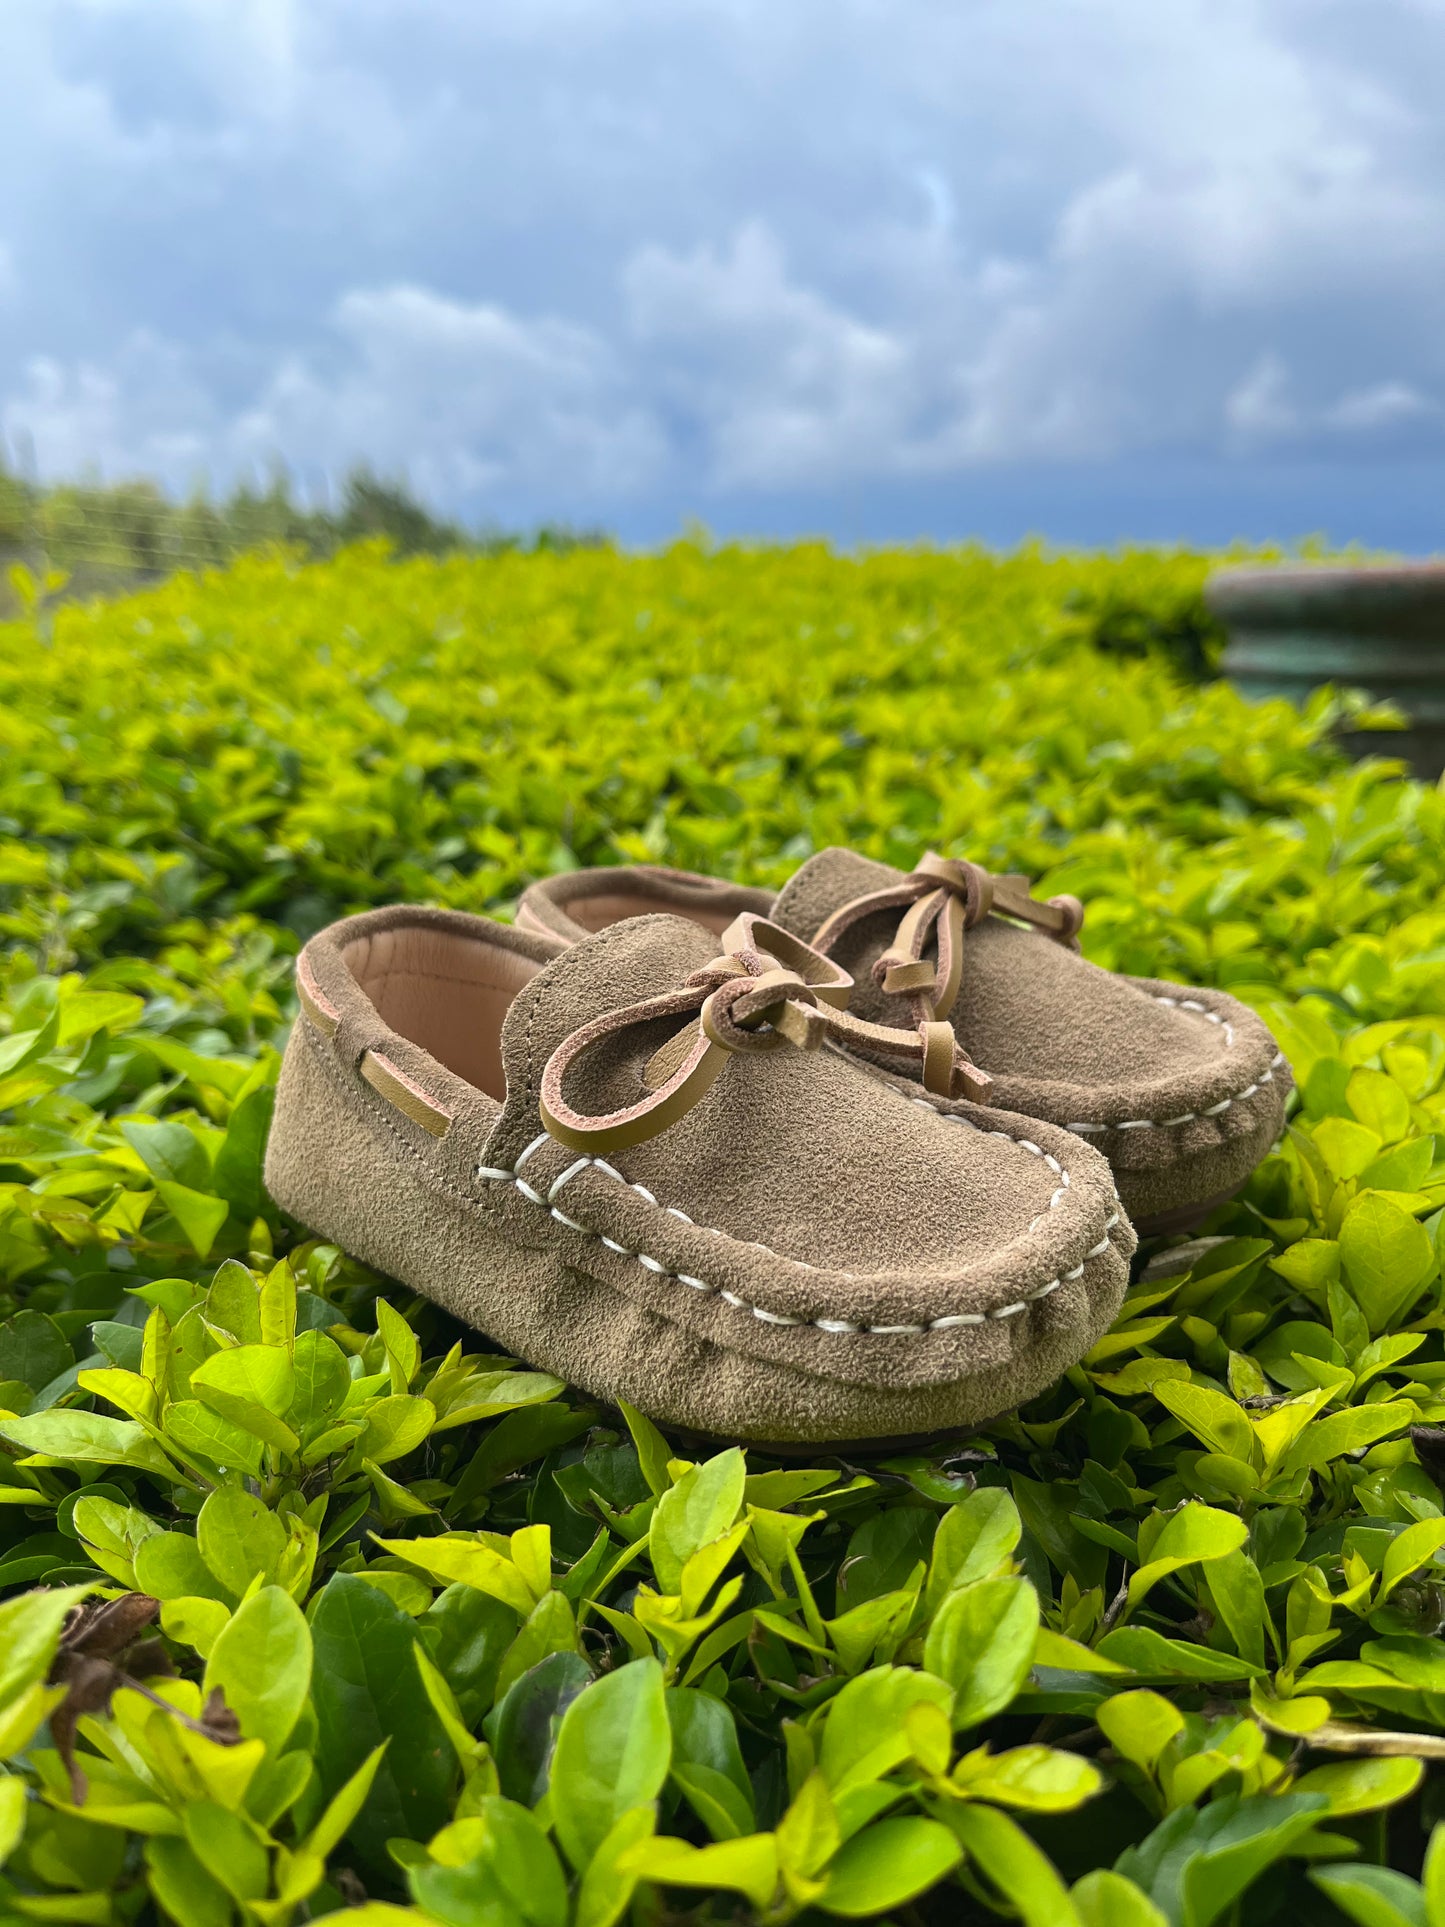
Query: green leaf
(865, 1736)
(240, 1539)
(1107, 1899)
(247, 1414)
(234, 1303)
(394, 1427)
(608, 1884)
(168, 1565)
(112, 1533)
(1139, 1726)
(33, 1349)
(888, 1865)
(1419, 1662)
(1280, 1352)
(748, 1867)
(366, 1690)
(170, 1153)
(343, 1807)
(1374, 1896)
(514, 1441)
(248, 1376)
(726, 1813)
(403, 1352)
(1193, 1534)
(227, 1848)
(523, 1727)
(1363, 1786)
(1346, 1147)
(190, 1895)
(652, 1449)
(1388, 1258)
(883, 1553)
(1036, 1779)
(1379, 1103)
(1406, 1168)
(1238, 1595)
(1331, 1438)
(973, 1539)
(1313, 1264)
(1213, 1419)
(321, 1383)
(194, 1622)
(982, 1643)
(493, 1392)
(808, 1835)
(262, 1663)
(1196, 1863)
(277, 1302)
(121, 1344)
(1416, 1546)
(29, 1636)
(467, 1562)
(514, 1877)
(23, 1047)
(1149, 1655)
(466, 1633)
(88, 1438)
(612, 1753)
(707, 1763)
(549, 1628)
(12, 1814)
(200, 1432)
(700, 1508)
(199, 1215)
(1015, 1866)
(237, 1174)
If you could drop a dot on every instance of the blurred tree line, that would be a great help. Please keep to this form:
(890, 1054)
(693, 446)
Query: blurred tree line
(106, 537)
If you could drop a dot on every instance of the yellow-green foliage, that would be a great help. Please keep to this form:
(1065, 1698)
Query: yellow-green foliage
(1124, 1658)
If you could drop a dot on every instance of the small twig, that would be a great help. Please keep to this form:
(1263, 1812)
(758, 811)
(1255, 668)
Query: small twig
(1116, 1605)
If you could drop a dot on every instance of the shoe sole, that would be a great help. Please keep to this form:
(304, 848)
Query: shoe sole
(1184, 1217)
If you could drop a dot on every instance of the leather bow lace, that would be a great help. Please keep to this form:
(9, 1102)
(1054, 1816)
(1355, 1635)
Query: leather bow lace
(768, 989)
(941, 899)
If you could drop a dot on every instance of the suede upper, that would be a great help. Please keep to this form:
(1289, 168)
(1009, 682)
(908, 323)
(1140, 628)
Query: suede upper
(1184, 1089)
(814, 1251)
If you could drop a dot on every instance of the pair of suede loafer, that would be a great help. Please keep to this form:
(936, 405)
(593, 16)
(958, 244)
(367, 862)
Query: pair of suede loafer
(855, 1164)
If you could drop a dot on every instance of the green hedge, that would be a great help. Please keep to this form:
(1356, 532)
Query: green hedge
(438, 1639)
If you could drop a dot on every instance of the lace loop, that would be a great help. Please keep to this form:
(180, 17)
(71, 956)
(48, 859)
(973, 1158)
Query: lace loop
(766, 990)
(941, 899)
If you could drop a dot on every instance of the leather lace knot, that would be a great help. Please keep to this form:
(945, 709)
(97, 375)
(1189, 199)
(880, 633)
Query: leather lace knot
(941, 899)
(767, 989)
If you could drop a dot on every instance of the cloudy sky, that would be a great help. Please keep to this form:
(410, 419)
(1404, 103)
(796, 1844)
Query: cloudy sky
(1095, 268)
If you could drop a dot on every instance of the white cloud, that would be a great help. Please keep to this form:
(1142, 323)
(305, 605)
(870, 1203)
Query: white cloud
(1386, 405)
(782, 384)
(467, 397)
(1260, 408)
(562, 257)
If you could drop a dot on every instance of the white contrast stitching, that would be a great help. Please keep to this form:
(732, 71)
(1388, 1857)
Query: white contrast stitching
(1189, 1117)
(501, 1175)
(1200, 1010)
(498, 1174)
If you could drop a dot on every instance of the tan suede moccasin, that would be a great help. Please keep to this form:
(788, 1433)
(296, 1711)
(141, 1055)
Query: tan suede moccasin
(1183, 1090)
(624, 1163)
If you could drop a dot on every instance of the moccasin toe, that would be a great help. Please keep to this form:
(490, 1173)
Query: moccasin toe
(809, 1252)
